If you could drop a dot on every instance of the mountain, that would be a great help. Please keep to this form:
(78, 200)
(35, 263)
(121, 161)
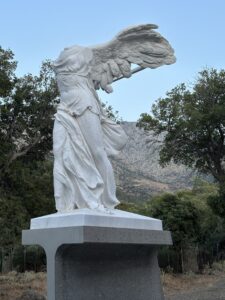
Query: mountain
(138, 173)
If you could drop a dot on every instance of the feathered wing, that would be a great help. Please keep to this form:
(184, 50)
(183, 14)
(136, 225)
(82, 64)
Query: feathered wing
(139, 45)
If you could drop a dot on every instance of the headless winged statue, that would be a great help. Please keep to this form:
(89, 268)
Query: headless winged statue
(83, 136)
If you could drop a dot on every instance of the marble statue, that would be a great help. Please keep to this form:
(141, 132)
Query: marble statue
(83, 136)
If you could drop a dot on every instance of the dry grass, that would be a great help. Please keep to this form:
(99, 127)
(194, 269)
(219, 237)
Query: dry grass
(13, 284)
(176, 283)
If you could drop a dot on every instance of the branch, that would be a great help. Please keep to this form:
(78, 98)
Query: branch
(212, 170)
(221, 137)
(24, 151)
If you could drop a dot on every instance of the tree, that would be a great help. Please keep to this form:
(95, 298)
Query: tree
(27, 107)
(197, 233)
(179, 216)
(192, 123)
(26, 118)
(7, 68)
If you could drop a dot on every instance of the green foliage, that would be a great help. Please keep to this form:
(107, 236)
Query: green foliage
(179, 215)
(34, 258)
(26, 118)
(13, 218)
(113, 115)
(217, 203)
(29, 194)
(192, 222)
(33, 183)
(211, 226)
(193, 124)
(27, 106)
(22, 258)
(7, 68)
(131, 207)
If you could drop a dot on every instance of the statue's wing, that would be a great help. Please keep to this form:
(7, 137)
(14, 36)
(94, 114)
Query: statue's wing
(139, 45)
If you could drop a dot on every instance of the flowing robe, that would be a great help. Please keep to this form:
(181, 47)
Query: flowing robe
(78, 183)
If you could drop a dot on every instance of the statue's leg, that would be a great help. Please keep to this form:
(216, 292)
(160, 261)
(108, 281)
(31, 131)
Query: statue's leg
(90, 127)
(63, 197)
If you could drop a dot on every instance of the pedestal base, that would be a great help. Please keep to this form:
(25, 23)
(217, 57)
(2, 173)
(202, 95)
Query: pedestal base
(89, 262)
(107, 272)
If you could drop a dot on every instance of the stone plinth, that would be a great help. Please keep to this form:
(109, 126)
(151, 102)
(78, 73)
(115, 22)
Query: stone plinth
(86, 217)
(86, 261)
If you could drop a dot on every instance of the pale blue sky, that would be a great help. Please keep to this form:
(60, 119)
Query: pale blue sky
(37, 30)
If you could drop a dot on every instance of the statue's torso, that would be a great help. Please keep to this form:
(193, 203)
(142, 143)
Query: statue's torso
(77, 94)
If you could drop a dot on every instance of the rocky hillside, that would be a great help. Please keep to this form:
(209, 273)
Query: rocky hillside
(138, 173)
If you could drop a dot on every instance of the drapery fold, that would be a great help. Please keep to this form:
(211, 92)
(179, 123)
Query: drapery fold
(78, 182)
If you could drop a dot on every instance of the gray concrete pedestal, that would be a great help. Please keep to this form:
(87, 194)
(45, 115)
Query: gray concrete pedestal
(91, 263)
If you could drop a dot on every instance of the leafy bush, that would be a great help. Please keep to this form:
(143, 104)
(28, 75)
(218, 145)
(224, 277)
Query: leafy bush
(198, 233)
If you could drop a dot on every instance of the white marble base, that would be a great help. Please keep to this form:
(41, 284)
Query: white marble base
(87, 217)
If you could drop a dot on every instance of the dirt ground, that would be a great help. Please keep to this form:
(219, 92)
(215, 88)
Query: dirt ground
(210, 286)
(194, 287)
(13, 284)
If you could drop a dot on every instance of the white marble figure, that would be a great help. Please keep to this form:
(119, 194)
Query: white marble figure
(83, 136)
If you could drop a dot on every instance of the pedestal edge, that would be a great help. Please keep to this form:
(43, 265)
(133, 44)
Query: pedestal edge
(54, 237)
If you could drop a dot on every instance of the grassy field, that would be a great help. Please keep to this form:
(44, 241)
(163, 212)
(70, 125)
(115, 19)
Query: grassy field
(13, 284)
